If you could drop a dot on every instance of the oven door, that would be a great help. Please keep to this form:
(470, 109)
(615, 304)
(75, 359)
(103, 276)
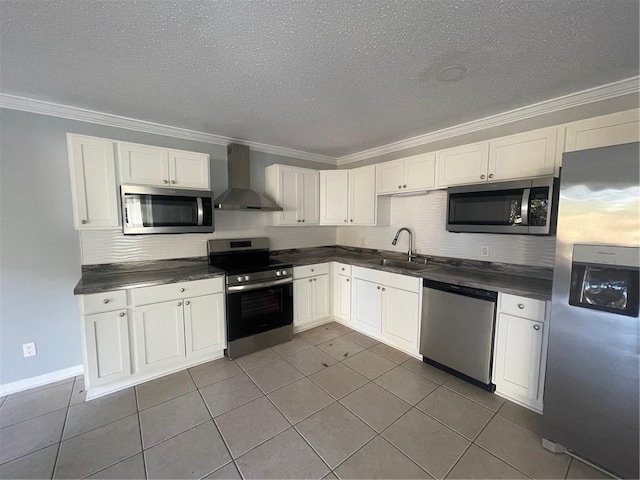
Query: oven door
(255, 309)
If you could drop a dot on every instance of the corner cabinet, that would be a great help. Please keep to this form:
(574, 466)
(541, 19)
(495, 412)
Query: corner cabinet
(94, 190)
(297, 191)
(310, 295)
(148, 165)
(520, 350)
(362, 196)
(334, 197)
(410, 174)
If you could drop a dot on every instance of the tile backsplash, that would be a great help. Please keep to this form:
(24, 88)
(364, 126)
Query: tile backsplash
(425, 215)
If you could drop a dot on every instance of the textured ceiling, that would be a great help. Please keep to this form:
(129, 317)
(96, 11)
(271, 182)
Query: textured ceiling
(332, 77)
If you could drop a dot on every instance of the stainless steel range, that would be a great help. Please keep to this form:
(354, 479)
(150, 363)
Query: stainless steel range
(259, 294)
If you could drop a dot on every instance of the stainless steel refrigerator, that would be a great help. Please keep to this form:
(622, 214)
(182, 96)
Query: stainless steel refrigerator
(591, 399)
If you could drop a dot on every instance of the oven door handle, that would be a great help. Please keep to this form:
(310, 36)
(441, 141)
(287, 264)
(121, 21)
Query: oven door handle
(524, 206)
(255, 286)
(200, 211)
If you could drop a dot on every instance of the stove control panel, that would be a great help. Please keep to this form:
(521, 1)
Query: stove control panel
(259, 277)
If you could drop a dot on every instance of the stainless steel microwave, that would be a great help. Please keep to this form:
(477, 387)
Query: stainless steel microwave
(526, 207)
(148, 210)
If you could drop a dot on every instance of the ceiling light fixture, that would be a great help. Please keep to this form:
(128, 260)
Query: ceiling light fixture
(452, 73)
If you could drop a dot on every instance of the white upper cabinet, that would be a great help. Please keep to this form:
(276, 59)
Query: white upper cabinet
(530, 154)
(461, 165)
(94, 188)
(147, 165)
(407, 175)
(362, 196)
(614, 129)
(297, 191)
(334, 197)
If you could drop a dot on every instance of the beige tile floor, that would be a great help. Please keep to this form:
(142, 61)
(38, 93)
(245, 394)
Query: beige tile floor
(330, 403)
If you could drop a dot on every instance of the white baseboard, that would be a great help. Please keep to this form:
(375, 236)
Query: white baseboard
(40, 380)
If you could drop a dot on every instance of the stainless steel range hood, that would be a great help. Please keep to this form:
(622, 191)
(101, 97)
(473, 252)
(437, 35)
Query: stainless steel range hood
(239, 196)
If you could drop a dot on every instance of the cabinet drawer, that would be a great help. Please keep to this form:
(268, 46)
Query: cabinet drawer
(175, 291)
(104, 302)
(522, 307)
(341, 268)
(310, 270)
(402, 282)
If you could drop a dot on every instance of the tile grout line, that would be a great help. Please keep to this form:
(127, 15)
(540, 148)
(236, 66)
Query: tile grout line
(64, 427)
(144, 457)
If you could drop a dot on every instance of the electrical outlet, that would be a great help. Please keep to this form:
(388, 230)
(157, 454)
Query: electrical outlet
(363, 241)
(484, 250)
(29, 349)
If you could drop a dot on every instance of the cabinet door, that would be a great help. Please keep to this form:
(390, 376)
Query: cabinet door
(531, 154)
(189, 170)
(159, 335)
(517, 357)
(342, 297)
(290, 195)
(362, 196)
(390, 177)
(204, 325)
(107, 341)
(144, 165)
(466, 164)
(302, 302)
(310, 193)
(400, 318)
(604, 131)
(366, 308)
(94, 188)
(321, 302)
(419, 172)
(334, 197)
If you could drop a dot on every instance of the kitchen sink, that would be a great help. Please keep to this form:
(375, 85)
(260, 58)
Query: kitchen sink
(386, 262)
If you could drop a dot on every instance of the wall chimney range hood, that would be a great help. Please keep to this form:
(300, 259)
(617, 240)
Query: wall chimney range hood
(239, 195)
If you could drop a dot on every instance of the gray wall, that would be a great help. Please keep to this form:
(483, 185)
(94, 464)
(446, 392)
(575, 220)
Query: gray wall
(40, 250)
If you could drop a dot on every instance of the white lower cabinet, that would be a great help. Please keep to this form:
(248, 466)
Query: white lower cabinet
(342, 298)
(204, 325)
(107, 346)
(310, 294)
(520, 351)
(387, 306)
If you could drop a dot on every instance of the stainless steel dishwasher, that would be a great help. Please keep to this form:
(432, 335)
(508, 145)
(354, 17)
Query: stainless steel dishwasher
(457, 330)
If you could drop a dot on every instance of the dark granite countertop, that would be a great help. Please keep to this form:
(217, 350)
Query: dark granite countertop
(528, 281)
(532, 282)
(121, 276)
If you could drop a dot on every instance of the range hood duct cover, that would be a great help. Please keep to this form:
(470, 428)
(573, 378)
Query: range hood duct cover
(239, 196)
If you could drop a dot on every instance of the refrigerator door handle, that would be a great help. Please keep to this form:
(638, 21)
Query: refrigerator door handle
(524, 206)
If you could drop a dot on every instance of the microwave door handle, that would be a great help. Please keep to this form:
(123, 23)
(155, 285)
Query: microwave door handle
(524, 206)
(200, 211)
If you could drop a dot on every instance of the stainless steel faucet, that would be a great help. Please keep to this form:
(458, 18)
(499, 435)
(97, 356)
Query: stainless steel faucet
(395, 241)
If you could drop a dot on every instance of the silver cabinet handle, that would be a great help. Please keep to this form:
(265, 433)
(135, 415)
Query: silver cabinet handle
(165, 181)
(106, 300)
(378, 287)
(182, 289)
(172, 182)
(491, 175)
(482, 177)
(383, 289)
(536, 327)
(84, 222)
(122, 314)
(187, 302)
(520, 306)
(179, 304)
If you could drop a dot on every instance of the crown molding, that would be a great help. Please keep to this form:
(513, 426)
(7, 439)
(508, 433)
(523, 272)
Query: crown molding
(584, 97)
(31, 105)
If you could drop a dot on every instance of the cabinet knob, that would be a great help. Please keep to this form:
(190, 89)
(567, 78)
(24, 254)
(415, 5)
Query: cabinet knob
(106, 300)
(343, 269)
(521, 306)
(182, 289)
(491, 175)
(347, 280)
(165, 182)
(302, 221)
(378, 287)
(314, 279)
(352, 219)
(345, 220)
(399, 187)
(482, 177)
(84, 222)
(383, 289)
(312, 270)
(404, 186)
(299, 221)
(310, 280)
(536, 327)
(187, 302)
(172, 182)
(179, 304)
(122, 314)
